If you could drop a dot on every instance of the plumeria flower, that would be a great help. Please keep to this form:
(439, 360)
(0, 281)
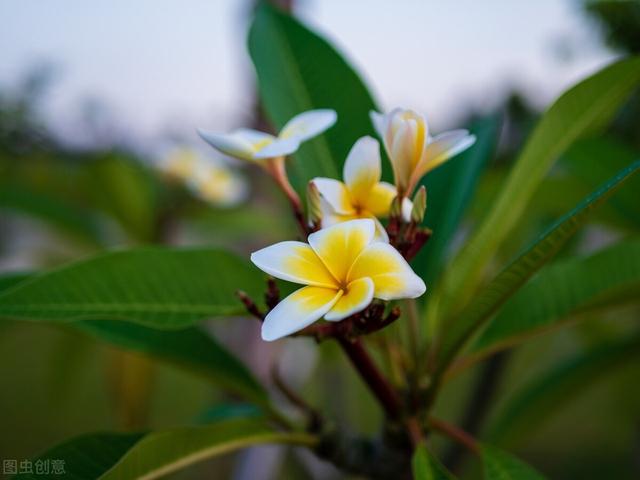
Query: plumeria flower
(412, 150)
(343, 269)
(269, 151)
(180, 164)
(362, 194)
(210, 179)
(253, 145)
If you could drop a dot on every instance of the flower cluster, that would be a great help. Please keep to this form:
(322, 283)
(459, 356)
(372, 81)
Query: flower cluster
(350, 257)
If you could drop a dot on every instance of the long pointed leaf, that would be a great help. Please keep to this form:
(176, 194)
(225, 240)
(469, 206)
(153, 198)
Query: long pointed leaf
(161, 453)
(500, 465)
(581, 110)
(52, 210)
(531, 405)
(499, 290)
(10, 280)
(158, 287)
(299, 70)
(427, 467)
(570, 287)
(83, 458)
(584, 161)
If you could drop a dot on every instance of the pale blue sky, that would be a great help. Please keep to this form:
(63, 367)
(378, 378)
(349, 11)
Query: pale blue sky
(184, 63)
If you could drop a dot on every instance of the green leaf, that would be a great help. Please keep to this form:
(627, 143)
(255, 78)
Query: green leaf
(530, 406)
(190, 348)
(52, 210)
(449, 190)
(225, 411)
(507, 282)
(9, 280)
(298, 71)
(585, 162)
(85, 457)
(500, 465)
(567, 288)
(120, 185)
(161, 453)
(427, 467)
(578, 112)
(158, 287)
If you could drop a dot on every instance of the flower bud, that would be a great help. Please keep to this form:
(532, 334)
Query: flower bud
(419, 205)
(412, 150)
(396, 208)
(314, 207)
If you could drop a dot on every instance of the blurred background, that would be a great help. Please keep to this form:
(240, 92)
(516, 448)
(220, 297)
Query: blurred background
(95, 97)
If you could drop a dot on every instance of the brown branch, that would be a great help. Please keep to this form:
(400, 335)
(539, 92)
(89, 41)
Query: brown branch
(455, 433)
(480, 401)
(272, 296)
(374, 379)
(415, 431)
(250, 305)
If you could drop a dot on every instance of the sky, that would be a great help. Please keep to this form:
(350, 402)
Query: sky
(168, 65)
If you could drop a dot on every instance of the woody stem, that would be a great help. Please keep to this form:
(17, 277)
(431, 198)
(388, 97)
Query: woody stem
(377, 383)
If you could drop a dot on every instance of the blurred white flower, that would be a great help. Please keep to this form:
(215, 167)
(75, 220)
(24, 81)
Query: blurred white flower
(412, 150)
(209, 178)
(253, 145)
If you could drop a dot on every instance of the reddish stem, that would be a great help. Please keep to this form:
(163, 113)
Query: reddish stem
(455, 433)
(374, 379)
(276, 168)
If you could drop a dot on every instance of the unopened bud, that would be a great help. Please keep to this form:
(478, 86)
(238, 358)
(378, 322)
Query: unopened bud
(419, 205)
(396, 208)
(314, 209)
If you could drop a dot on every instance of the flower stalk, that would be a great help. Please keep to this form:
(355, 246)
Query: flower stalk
(377, 383)
(455, 433)
(275, 167)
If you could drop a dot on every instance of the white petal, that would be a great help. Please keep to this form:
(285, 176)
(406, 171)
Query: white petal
(278, 148)
(232, 144)
(298, 310)
(255, 137)
(403, 153)
(379, 123)
(295, 262)
(308, 124)
(362, 168)
(356, 298)
(381, 232)
(390, 272)
(339, 245)
(447, 145)
(407, 206)
(335, 193)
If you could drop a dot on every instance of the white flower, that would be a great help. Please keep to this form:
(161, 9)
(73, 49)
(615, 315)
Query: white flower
(248, 144)
(412, 150)
(342, 268)
(210, 179)
(362, 195)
